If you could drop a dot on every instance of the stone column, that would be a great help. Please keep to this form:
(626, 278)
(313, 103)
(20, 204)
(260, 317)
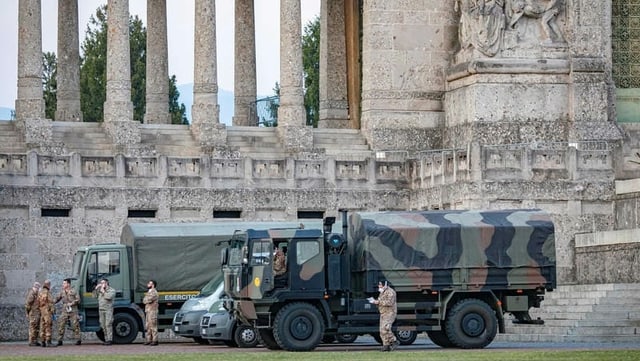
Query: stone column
(333, 66)
(118, 108)
(291, 113)
(157, 93)
(30, 103)
(68, 76)
(205, 111)
(245, 87)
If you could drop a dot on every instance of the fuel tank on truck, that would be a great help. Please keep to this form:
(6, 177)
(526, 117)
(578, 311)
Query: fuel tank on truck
(452, 249)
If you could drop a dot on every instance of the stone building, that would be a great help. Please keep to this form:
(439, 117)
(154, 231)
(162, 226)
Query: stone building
(424, 104)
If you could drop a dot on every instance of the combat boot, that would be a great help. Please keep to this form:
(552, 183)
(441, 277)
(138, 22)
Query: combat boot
(394, 345)
(60, 343)
(385, 348)
(49, 344)
(79, 342)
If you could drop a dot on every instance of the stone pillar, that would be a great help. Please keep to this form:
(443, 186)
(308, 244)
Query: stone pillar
(291, 113)
(205, 111)
(245, 87)
(68, 76)
(157, 93)
(118, 108)
(333, 66)
(30, 103)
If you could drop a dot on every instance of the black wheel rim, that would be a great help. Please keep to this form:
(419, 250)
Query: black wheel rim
(473, 325)
(301, 328)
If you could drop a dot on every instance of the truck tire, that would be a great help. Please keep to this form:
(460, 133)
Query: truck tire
(298, 327)
(125, 328)
(266, 336)
(201, 341)
(406, 337)
(347, 338)
(440, 338)
(245, 336)
(471, 323)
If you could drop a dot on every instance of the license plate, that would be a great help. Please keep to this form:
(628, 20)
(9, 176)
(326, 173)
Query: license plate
(176, 329)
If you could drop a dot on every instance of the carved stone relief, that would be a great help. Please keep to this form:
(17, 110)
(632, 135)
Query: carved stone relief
(489, 26)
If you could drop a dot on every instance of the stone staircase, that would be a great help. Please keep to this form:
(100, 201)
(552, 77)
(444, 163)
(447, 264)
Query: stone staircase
(341, 143)
(168, 139)
(11, 140)
(84, 138)
(583, 313)
(256, 142)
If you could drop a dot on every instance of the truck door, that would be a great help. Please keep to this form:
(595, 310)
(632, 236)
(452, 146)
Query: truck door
(261, 272)
(307, 265)
(103, 264)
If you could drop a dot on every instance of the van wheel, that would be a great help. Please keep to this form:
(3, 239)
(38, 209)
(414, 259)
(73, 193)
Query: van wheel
(406, 337)
(125, 328)
(245, 336)
(471, 323)
(298, 327)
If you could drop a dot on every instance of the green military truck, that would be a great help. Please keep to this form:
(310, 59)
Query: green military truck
(182, 257)
(456, 274)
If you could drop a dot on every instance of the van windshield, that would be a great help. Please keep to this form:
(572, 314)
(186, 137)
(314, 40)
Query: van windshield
(212, 285)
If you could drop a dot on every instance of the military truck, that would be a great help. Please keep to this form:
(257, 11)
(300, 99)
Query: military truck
(456, 274)
(181, 257)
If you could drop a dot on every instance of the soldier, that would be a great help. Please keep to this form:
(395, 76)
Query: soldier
(279, 262)
(387, 307)
(33, 313)
(150, 301)
(70, 301)
(45, 303)
(105, 295)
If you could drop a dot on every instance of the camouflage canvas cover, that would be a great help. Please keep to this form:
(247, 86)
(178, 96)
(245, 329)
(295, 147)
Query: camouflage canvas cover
(432, 249)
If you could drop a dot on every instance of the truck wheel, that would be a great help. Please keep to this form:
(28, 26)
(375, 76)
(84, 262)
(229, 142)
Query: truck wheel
(347, 338)
(440, 338)
(266, 336)
(125, 328)
(471, 323)
(245, 336)
(406, 337)
(298, 327)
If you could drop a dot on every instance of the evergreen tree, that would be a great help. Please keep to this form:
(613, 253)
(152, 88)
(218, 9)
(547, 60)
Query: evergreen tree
(93, 71)
(311, 66)
(49, 84)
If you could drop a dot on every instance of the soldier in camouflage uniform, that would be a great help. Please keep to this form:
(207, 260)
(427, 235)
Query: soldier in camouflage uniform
(45, 302)
(150, 301)
(33, 313)
(70, 301)
(388, 310)
(106, 295)
(279, 262)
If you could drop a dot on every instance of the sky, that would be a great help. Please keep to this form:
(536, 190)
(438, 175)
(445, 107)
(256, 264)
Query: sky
(180, 15)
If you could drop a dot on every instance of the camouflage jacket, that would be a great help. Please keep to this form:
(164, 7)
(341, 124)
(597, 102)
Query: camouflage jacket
(387, 302)
(150, 300)
(105, 300)
(45, 302)
(279, 263)
(31, 303)
(70, 299)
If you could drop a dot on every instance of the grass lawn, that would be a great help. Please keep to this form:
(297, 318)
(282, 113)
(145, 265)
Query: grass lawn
(431, 355)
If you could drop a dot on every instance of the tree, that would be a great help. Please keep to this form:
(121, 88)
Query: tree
(49, 84)
(311, 67)
(93, 71)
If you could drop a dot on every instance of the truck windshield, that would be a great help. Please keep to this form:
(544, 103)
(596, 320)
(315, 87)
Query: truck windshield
(77, 264)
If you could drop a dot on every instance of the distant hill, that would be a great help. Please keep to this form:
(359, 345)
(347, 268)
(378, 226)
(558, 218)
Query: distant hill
(5, 113)
(225, 100)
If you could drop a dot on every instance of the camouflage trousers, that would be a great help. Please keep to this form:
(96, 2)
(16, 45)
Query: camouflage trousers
(387, 336)
(151, 322)
(106, 322)
(46, 325)
(62, 324)
(34, 325)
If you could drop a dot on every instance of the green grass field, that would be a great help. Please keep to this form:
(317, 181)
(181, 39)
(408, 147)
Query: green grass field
(430, 355)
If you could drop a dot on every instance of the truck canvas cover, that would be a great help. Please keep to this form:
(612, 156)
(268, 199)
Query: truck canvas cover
(474, 249)
(181, 256)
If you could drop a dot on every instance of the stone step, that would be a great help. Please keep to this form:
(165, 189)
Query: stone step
(533, 337)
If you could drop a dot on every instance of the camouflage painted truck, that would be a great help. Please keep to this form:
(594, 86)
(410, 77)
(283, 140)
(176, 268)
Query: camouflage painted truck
(456, 275)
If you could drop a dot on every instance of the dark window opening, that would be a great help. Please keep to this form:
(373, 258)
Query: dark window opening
(310, 214)
(54, 212)
(141, 213)
(227, 214)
